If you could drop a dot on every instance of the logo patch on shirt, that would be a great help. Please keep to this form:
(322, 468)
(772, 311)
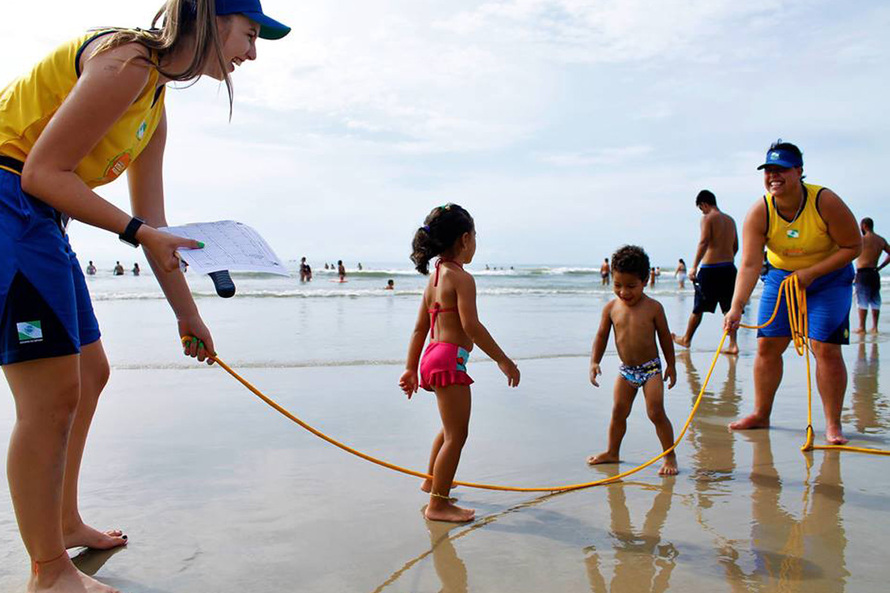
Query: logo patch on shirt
(793, 233)
(29, 331)
(141, 131)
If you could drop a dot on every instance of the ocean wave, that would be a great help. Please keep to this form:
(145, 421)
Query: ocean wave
(308, 293)
(357, 293)
(496, 271)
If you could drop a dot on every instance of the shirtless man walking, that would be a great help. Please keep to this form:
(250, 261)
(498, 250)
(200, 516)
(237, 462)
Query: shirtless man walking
(605, 272)
(868, 277)
(715, 281)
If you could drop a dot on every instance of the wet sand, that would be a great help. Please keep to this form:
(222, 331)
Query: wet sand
(219, 493)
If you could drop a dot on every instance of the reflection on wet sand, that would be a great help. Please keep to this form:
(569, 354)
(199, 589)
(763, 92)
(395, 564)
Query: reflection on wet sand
(784, 553)
(868, 409)
(787, 553)
(713, 456)
(754, 530)
(89, 561)
(451, 570)
(641, 561)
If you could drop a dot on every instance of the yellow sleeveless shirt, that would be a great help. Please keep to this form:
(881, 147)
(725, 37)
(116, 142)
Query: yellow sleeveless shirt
(802, 242)
(28, 103)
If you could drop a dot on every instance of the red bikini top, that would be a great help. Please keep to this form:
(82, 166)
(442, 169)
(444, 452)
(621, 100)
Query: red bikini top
(437, 308)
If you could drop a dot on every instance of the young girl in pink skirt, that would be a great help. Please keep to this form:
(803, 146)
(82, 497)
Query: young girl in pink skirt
(448, 314)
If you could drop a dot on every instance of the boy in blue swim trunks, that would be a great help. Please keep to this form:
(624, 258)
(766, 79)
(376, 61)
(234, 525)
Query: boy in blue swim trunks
(637, 320)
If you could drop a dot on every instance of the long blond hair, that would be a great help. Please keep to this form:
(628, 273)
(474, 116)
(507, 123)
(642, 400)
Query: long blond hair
(179, 20)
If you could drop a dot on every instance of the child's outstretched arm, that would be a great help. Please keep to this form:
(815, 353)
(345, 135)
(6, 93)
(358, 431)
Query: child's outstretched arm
(667, 346)
(600, 341)
(465, 287)
(408, 381)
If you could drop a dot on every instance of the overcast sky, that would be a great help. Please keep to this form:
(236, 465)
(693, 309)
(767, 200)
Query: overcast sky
(566, 127)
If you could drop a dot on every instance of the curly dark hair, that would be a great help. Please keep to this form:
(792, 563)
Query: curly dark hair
(631, 259)
(441, 229)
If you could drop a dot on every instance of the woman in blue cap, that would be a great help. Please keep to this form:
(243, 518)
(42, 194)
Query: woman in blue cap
(808, 231)
(89, 111)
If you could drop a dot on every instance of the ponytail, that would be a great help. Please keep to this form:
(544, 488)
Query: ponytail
(441, 229)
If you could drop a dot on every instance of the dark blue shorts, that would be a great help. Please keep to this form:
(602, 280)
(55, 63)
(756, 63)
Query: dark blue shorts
(829, 299)
(714, 285)
(45, 307)
(868, 288)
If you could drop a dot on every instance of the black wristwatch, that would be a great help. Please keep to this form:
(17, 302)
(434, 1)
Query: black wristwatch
(129, 234)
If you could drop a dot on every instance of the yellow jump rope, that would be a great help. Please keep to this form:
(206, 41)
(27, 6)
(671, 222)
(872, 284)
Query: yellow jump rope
(797, 317)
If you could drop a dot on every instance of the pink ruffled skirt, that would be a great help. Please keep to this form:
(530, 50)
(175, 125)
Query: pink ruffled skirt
(444, 364)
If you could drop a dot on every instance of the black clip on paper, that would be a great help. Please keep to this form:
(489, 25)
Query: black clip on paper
(223, 283)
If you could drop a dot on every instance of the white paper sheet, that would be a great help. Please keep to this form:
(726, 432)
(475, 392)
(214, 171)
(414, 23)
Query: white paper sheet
(228, 245)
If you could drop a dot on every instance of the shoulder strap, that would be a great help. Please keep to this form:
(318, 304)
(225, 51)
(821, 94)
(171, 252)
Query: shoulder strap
(766, 209)
(84, 45)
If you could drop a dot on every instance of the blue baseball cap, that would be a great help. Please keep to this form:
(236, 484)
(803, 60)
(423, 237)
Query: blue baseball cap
(269, 28)
(782, 157)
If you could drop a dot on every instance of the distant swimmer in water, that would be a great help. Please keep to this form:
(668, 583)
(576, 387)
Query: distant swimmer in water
(305, 271)
(390, 284)
(118, 269)
(341, 270)
(681, 273)
(605, 272)
(809, 232)
(652, 276)
(868, 274)
(638, 320)
(448, 314)
(359, 266)
(91, 269)
(136, 270)
(715, 281)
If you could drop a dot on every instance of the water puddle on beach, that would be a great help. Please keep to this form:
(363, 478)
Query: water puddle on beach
(219, 493)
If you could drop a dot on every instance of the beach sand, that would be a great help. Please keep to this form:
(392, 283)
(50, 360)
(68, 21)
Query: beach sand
(219, 493)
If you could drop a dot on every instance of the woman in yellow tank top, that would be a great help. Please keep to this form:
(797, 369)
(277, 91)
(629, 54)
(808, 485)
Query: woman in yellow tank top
(91, 110)
(807, 231)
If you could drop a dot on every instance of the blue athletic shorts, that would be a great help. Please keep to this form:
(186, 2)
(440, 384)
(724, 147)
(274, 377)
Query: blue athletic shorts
(45, 307)
(829, 299)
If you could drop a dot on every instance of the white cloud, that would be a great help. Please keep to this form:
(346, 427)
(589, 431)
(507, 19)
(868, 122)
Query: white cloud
(539, 115)
(604, 156)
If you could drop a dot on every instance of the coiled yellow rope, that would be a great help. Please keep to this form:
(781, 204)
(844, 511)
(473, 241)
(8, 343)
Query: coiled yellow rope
(796, 299)
(797, 316)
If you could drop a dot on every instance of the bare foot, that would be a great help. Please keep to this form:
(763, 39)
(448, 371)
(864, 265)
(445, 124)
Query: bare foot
(669, 467)
(427, 486)
(835, 436)
(680, 341)
(874, 331)
(62, 577)
(606, 457)
(749, 422)
(732, 350)
(88, 537)
(447, 511)
(859, 330)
